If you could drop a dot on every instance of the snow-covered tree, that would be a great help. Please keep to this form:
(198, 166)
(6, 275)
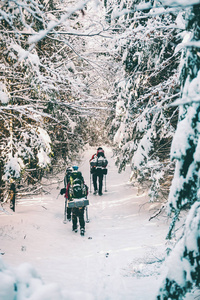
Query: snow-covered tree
(24, 143)
(184, 192)
(186, 142)
(144, 124)
(47, 71)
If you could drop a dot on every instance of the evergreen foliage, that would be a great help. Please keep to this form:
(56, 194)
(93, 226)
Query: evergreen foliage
(185, 146)
(185, 185)
(144, 123)
(184, 262)
(45, 83)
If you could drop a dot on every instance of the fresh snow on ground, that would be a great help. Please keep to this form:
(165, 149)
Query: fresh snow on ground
(119, 258)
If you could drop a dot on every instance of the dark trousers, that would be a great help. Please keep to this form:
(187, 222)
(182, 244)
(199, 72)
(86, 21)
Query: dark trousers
(98, 175)
(78, 213)
(69, 210)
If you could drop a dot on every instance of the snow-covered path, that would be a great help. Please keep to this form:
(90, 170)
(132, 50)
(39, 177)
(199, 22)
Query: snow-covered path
(116, 259)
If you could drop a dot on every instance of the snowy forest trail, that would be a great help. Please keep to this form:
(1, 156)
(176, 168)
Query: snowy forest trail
(121, 249)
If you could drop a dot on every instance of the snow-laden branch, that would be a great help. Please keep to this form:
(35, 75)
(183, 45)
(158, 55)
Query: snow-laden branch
(191, 92)
(53, 24)
(166, 7)
(195, 44)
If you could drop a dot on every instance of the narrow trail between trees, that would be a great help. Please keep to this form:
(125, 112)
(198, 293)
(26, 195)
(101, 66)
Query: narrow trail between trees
(119, 256)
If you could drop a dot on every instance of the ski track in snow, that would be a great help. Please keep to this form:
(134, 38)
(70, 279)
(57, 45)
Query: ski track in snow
(119, 256)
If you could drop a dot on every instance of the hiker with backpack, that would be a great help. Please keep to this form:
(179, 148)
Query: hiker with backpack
(98, 164)
(77, 189)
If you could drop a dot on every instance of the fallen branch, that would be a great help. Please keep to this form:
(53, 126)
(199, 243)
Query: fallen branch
(159, 211)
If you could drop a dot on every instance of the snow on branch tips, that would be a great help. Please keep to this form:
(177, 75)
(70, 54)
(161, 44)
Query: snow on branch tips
(53, 24)
(13, 168)
(4, 99)
(191, 92)
(142, 153)
(44, 148)
(179, 2)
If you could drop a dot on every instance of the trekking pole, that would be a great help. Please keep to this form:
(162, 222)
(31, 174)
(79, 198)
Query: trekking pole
(86, 212)
(105, 184)
(65, 212)
(90, 182)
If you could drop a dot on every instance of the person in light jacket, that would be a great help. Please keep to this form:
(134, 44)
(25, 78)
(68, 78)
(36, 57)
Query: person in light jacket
(98, 164)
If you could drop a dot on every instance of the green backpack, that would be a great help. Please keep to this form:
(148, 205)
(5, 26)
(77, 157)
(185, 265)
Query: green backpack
(77, 187)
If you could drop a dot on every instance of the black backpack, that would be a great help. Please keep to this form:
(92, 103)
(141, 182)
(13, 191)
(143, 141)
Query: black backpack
(77, 187)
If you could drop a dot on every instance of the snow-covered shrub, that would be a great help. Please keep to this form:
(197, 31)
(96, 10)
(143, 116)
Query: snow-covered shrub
(13, 168)
(184, 262)
(25, 146)
(23, 283)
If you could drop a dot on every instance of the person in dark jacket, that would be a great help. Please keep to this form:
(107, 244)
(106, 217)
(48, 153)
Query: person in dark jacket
(98, 164)
(77, 212)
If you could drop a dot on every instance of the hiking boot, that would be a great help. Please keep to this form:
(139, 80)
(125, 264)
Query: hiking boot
(82, 231)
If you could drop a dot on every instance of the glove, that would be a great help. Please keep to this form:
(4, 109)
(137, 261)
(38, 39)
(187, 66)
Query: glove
(63, 191)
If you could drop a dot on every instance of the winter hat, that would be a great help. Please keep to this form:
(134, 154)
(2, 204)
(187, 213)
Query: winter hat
(75, 168)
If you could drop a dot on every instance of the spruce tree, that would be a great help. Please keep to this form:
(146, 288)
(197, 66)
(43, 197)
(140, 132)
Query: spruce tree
(185, 186)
